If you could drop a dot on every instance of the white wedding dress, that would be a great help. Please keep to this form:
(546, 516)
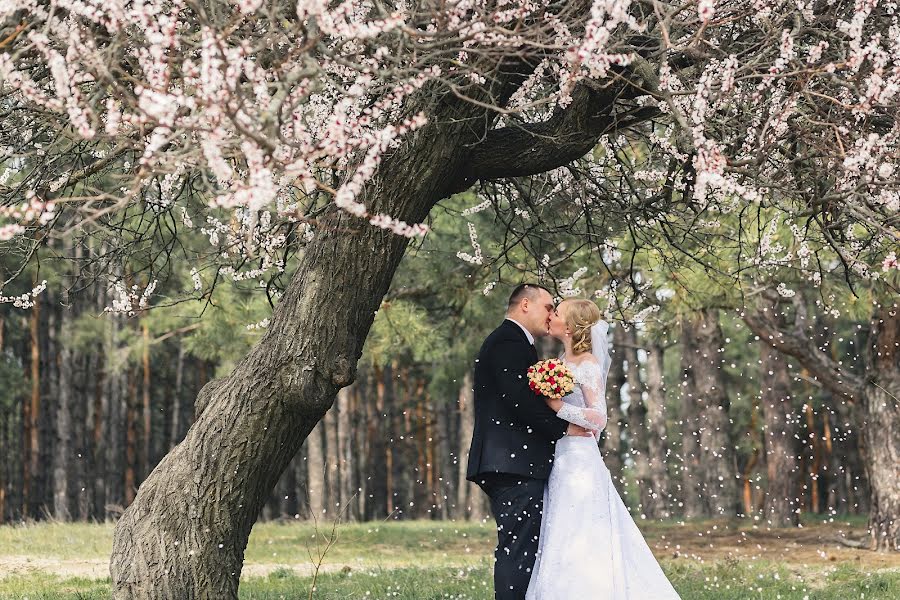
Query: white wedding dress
(590, 548)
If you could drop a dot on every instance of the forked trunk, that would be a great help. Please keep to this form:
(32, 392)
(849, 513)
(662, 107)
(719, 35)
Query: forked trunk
(881, 429)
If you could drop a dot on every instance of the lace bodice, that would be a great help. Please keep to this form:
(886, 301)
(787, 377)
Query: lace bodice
(589, 392)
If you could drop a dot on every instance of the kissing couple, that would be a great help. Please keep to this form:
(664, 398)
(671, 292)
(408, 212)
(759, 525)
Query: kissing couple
(563, 531)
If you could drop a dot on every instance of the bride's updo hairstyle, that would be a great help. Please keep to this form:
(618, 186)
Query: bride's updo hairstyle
(580, 316)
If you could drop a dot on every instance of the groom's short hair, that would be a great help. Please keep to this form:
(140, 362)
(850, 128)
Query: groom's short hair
(524, 290)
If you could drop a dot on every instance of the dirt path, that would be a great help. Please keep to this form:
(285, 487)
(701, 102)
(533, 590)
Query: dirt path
(806, 548)
(810, 546)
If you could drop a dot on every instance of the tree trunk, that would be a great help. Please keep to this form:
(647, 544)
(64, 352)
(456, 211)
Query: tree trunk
(637, 423)
(468, 494)
(175, 434)
(612, 435)
(658, 504)
(747, 475)
(32, 411)
(315, 471)
(691, 477)
(344, 405)
(207, 492)
(782, 507)
(332, 460)
(65, 400)
(117, 404)
(131, 441)
(881, 427)
(146, 457)
(718, 464)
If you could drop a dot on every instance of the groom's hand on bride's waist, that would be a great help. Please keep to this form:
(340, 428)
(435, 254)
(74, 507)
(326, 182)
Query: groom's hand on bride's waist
(577, 430)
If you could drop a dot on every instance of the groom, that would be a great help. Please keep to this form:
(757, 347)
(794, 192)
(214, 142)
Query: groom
(514, 437)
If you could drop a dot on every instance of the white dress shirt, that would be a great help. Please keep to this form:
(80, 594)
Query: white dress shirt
(527, 333)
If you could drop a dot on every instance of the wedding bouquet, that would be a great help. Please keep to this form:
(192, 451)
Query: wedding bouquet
(551, 378)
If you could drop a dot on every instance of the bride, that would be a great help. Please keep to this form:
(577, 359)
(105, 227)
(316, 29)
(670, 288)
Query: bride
(589, 546)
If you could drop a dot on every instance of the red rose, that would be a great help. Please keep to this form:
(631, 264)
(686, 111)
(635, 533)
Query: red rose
(551, 365)
(551, 380)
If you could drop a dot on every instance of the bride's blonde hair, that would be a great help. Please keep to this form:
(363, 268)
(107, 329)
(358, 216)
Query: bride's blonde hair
(580, 316)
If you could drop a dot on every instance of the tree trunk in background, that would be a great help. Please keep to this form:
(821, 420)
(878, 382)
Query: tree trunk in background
(315, 472)
(780, 428)
(332, 461)
(659, 503)
(612, 435)
(65, 401)
(747, 479)
(5, 448)
(116, 403)
(637, 422)
(881, 427)
(344, 406)
(815, 465)
(301, 480)
(30, 417)
(468, 495)
(359, 438)
(691, 476)
(376, 433)
(872, 398)
(175, 432)
(718, 463)
(146, 432)
(131, 437)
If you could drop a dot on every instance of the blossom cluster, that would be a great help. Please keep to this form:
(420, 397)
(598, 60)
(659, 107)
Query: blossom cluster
(551, 378)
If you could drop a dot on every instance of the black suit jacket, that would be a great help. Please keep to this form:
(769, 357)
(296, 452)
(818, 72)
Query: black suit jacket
(515, 431)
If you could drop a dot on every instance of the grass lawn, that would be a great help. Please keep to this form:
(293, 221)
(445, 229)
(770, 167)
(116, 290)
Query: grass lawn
(721, 560)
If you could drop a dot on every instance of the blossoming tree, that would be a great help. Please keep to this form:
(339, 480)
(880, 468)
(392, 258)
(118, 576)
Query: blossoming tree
(331, 129)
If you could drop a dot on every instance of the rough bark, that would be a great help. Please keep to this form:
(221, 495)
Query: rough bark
(657, 506)
(780, 427)
(881, 427)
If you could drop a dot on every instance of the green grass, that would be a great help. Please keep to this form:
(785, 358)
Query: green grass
(720, 581)
(391, 543)
(431, 560)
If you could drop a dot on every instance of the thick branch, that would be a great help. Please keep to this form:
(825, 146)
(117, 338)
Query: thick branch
(835, 377)
(526, 149)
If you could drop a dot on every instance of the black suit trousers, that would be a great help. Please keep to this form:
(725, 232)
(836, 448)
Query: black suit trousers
(517, 503)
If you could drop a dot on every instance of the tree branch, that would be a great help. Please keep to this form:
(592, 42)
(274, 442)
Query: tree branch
(837, 378)
(520, 150)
